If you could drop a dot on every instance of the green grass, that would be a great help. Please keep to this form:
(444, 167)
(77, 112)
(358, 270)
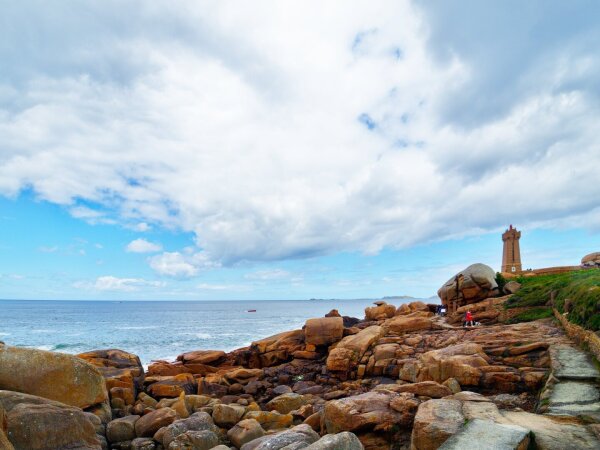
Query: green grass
(582, 288)
(500, 281)
(531, 445)
(538, 312)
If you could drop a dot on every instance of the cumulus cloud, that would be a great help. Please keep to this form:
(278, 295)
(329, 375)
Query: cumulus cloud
(141, 245)
(184, 264)
(112, 283)
(141, 227)
(387, 124)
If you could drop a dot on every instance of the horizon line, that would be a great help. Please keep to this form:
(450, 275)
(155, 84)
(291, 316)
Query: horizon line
(213, 300)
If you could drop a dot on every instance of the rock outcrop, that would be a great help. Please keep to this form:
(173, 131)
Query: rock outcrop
(36, 423)
(55, 376)
(496, 436)
(463, 420)
(486, 312)
(324, 331)
(399, 379)
(379, 410)
(473, 284)
(348, 352)
(435, 422)
(122, 429)
(411, 322)
(206, 357)
(591, 260)
(245, 431)
(197, 422)
(511, 287)
(123, 375)
(340, 441)
(380, 311)
(295, 438)
(5, 444)
(151, 422)
(274, 349)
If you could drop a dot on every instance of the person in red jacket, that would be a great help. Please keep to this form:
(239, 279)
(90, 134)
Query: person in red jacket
(468, 319)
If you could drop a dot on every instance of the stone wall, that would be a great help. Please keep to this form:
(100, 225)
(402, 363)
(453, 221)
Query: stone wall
(580, 334)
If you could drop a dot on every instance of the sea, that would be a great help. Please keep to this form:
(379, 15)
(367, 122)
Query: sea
(156, 330)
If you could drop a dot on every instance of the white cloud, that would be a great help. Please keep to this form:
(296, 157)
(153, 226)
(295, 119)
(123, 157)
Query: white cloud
(142, 227)
(141, 245)
(48, 249)
(374, 127)
(184, 264)
(91, 215)
(112, 283)
(215, 287)
(268, 274)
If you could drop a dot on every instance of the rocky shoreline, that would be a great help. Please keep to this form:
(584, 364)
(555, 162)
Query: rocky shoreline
(400, 378)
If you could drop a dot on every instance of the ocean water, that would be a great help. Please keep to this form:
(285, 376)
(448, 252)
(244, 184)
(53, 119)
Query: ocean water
(156, 330)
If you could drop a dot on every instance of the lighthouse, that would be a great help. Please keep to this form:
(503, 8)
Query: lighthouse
(511, 254)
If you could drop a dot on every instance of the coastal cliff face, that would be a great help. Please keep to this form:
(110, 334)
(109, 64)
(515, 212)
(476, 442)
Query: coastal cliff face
(400, 378)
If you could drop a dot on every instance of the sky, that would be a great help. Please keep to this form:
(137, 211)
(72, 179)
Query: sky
(296, 149)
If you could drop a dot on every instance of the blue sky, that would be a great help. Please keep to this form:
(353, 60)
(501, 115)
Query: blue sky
(228, 151)
(45, 253)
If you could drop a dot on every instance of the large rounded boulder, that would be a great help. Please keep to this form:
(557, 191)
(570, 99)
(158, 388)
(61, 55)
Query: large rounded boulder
(324, 330)
(374, 410)
(55, 376)
(36, 423)
(471, 285)
(591, 260)
(380, 311)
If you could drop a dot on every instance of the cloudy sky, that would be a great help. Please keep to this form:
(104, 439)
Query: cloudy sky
(291, 149)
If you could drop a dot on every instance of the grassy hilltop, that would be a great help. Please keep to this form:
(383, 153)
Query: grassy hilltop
(577, 292)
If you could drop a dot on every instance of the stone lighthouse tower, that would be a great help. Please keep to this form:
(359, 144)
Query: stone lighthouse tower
(511, 255)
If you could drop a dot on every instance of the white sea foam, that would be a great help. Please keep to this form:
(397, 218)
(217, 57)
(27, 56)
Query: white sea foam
(204, 336)
(4, 334)
(169, 358)
(45, 347)
(166, 358)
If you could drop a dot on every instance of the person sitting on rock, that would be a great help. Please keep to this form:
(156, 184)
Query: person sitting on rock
(468, 319)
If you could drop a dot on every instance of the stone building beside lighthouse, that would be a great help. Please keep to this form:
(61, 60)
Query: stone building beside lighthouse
(511, 254)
